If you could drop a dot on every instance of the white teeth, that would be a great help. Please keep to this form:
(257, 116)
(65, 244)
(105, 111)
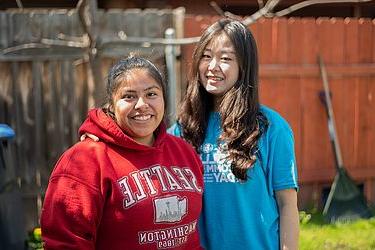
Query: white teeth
(215, 78)
(142, 117)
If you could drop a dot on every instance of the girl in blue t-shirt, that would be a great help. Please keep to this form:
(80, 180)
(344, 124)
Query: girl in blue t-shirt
(250, 197)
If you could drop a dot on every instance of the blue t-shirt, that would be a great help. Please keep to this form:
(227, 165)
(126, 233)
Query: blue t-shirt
(244, 215)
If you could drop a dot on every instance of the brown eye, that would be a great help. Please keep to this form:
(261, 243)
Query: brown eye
(206, 56)
(224, 58)
(152, 94)
(128, 97)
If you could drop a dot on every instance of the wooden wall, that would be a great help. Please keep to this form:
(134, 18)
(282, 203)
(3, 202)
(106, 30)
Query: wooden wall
(290, 83)
(46, 90)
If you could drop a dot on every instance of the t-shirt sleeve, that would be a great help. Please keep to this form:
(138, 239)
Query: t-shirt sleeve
(174, 130)
(282, 160)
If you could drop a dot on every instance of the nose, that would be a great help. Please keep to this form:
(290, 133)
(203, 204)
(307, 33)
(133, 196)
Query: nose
(212, 64)
(140, 103)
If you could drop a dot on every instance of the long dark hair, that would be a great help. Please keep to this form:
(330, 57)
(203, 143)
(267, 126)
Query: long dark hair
(242, 121)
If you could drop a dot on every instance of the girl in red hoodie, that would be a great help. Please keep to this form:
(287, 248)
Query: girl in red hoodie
(135, 188)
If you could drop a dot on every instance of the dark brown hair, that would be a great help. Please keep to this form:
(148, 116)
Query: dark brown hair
(124, 67)
(242, 122)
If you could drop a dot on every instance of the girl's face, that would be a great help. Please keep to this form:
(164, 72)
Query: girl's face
(139, 105)
(218, 67)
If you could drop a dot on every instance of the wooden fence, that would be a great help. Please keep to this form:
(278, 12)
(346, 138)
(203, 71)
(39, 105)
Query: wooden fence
(46, 90)
(290, 82)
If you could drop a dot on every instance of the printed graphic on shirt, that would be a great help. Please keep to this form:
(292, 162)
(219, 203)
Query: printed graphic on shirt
(161, 184)
(168, 237)
(216, 165)
(169, 209)
(140, 185)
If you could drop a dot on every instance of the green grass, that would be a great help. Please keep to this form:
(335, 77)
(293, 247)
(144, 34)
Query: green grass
(316, 234)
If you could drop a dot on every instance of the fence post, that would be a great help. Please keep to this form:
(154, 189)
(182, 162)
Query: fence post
(170, 60)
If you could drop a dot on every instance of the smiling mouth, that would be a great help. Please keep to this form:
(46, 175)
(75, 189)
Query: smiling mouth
(142, 117)
(215, 78)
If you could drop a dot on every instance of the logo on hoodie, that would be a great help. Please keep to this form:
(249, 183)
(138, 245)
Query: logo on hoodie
(169, 209)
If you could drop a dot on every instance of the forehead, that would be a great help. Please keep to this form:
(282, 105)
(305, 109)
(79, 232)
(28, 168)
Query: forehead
(138, 79)
(220, 42)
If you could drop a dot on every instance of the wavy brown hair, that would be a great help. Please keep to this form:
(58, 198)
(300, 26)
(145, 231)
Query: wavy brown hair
(241, 119)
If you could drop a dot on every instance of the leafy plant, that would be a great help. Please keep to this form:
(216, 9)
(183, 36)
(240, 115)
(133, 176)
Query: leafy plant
(34, 240)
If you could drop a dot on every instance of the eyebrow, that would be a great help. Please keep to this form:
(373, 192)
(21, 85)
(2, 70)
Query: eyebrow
(146, 89)
(153, 87)
(222, 50)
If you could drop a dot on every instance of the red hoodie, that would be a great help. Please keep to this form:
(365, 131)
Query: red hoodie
(119, 194)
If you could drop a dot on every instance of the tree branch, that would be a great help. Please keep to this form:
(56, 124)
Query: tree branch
(268, 8)
(304, 4)
(216, 7)
(23, 47)
(261, 4)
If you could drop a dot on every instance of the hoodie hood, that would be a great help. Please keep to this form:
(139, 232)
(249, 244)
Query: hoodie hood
(104, 127)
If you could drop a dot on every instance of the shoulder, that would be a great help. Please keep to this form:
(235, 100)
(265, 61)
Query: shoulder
(81, 157)
(276, 122)
(87, 147)
(173, 140)
(179, 145)
(175, 129)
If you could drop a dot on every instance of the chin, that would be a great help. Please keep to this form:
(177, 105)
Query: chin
(214, 91)
(211, 88)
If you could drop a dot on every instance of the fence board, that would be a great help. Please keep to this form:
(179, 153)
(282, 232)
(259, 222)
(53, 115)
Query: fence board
(351, 41)
(4, 28)
(264, 41)
(280, 40)
(366, 125)
(310, 42)
(366, 41)
(295, 40)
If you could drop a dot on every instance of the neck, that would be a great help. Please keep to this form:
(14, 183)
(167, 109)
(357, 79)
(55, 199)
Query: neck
(149, 141)
(217, 102)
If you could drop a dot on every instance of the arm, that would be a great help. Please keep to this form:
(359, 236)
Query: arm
(289, 219)
(73, 203)
(70, 216)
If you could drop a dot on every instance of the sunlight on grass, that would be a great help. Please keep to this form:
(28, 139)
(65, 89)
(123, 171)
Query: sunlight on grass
(358, 235)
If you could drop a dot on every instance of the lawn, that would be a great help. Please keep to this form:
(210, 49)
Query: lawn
(315, 234)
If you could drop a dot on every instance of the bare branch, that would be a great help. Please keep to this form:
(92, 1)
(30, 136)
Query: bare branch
(217, 8)
(86, 20)
(261, 4)
(83, 38)
(268, 8)
(225, 13)
(19, 4)
(313, 2)
(71, 44)
(142, 41)
(233, 16)
(87, 11)
(23, 47)
(157, 41)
